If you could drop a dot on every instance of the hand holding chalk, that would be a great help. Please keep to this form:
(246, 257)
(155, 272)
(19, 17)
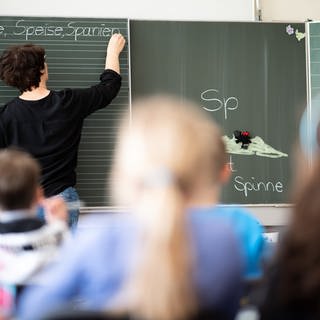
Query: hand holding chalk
(115, 46)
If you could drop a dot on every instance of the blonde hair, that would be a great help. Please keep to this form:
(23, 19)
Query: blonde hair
(170, 151)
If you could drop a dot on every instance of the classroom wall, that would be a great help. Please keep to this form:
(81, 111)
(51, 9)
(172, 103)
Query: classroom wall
(137, 9)
(290, 10)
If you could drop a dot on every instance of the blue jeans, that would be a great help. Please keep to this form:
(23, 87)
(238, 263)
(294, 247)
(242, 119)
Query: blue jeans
(69, 194)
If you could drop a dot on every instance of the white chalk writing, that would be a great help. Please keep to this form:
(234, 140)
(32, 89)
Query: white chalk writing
(231, 165)
(72, 29)
(216, 104)
(251, 185)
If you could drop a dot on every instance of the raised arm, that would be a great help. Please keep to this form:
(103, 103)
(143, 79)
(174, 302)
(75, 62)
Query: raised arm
(86, 101)
(115, 46)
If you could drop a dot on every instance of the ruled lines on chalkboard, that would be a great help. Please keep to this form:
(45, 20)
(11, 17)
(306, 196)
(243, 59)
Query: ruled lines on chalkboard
(315, 64)
(75, 53)
(314, 29)
(313, 113)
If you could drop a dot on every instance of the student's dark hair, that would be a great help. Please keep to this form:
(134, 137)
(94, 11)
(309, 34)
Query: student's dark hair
(299, 256)
(19, 178)
(22, 66)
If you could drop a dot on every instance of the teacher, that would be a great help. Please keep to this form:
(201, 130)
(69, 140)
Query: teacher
(48, 123)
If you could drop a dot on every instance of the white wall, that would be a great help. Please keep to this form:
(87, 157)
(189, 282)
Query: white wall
(290, 10)
(138, 9)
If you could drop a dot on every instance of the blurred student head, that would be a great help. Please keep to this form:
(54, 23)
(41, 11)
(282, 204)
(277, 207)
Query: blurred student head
(171, 157)
(299, 255)
(308, 148)
(297, 282)
(19, 180)
(172, 144)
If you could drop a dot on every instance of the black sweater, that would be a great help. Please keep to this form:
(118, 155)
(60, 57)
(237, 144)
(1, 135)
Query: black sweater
(50, 128)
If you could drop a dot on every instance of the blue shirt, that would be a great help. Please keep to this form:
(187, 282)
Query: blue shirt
(249, 234)
(95, 265)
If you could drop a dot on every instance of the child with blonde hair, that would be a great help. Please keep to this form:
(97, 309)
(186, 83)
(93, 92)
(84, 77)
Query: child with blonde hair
(163, 261)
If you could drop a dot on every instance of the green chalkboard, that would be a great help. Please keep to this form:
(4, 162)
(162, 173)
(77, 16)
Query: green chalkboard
(314, 36)
(248, 76)
(75, 52)
(313, 116)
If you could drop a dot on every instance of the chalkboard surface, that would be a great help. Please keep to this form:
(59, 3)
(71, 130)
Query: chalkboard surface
(314, 90)
(75, 52)
(248, 76)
